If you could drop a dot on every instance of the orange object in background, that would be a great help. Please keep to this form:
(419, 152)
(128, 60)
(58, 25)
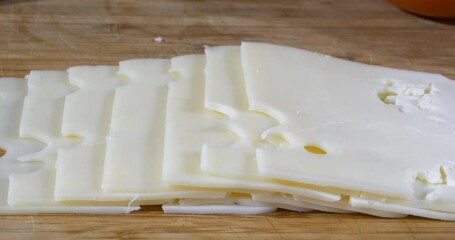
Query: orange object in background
(431, 8)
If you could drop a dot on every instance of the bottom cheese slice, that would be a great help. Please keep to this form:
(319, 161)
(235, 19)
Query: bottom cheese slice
(231, 204)
(216, 209)
(397, 208)
(340, 207)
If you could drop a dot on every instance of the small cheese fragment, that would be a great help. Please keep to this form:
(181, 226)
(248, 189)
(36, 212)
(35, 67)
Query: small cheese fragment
(350, 125)
(216, 209)
(158, 39)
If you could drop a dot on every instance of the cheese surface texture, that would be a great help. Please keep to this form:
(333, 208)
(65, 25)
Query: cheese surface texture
(350, 125)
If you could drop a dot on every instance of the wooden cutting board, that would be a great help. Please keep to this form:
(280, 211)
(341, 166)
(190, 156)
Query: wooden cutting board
(56, 34)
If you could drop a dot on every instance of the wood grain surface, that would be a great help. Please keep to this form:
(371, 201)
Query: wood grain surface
(56, 34)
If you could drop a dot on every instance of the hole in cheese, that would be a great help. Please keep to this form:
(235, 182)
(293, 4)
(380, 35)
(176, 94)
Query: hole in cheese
(261, 143)
(407, 97)
(2, 152)
(175, 74)
(315, 149)
(387, 97)
(443, 175)
(277, 139)
(432, 176)
(72, 136)
(28, 167)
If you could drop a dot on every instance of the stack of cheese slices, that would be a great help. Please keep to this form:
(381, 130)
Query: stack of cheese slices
(242, 129)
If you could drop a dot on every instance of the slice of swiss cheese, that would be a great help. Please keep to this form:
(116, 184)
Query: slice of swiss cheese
(383, 130)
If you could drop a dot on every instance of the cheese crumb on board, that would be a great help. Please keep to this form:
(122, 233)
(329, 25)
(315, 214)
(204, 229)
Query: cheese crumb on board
(158, 39)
